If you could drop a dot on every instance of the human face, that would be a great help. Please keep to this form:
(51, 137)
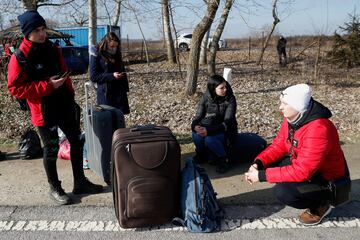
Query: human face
(38, 35)
(112, 47)
(220, 90)
(289, 112)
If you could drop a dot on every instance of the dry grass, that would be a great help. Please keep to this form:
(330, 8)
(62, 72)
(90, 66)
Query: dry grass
(156, 92)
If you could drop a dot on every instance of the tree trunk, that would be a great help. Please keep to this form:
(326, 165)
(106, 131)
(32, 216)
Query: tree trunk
(30, 4)
(197, 36)
(203, 51)
(117, 13)
(214, 45)
(316, 67)
(167, 32)
(276, 21)
(176, 43)
(142, 34)
(92, 23)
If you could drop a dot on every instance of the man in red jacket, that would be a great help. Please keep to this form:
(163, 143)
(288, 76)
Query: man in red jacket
(304, 156)
(33, 74)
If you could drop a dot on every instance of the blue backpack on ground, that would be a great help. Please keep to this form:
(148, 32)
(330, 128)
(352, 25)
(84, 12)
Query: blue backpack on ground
(199, 207)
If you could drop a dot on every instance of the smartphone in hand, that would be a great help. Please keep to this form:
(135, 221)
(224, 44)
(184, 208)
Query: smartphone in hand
(65, 74)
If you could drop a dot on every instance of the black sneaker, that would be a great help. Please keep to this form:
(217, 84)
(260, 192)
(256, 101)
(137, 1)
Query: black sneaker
(86, 187)
(223, 167)
(58, 195)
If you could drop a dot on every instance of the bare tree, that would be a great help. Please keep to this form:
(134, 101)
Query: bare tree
(132, 8)
(204, 44)
(197, 36)
(117, 12)
(92, 22)
(167, 32)
(1, 22)
(176, 43)
(214, 45)
(35, 4)
(275, 22)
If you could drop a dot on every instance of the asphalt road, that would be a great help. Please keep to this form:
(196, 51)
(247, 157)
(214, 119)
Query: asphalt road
(250, 222)
(252, 212)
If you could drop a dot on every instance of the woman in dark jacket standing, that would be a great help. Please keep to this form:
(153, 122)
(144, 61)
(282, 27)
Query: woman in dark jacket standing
(108, 72)
(214, 127)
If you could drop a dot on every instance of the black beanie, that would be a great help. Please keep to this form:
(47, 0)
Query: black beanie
(30, 20)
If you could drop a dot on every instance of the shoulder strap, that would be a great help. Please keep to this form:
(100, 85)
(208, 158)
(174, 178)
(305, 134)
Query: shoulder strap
(347, 172)
(22, 60)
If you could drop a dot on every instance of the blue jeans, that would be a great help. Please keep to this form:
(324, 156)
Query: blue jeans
(215, 143)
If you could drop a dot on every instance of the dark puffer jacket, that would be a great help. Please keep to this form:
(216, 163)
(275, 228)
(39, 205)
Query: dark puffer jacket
(217, 114)
(110, 91)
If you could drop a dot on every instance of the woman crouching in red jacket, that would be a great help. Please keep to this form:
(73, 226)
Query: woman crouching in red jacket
(304, 158)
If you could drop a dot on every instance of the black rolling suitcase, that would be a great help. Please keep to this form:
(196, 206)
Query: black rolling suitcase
(146, 176)
(100, 123)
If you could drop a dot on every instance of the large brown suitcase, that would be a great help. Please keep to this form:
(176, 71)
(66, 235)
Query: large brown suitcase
(146, 176)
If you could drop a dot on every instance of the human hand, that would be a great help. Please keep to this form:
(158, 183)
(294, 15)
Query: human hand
(197, 128)
(252, 176)
(253, 167)
(201, 131)
(118, 75)
(57, 82)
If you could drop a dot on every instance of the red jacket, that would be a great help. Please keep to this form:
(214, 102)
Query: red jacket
(316, 148)
(22, 87)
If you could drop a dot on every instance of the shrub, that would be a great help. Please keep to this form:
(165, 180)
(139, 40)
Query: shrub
(346, 48)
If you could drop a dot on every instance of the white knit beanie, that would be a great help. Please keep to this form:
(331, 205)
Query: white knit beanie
(297, 96)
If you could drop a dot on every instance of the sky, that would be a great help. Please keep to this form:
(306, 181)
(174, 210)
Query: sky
(297, 17)
(247, 17)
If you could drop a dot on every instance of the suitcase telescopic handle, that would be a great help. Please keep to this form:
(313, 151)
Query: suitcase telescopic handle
(144, 129)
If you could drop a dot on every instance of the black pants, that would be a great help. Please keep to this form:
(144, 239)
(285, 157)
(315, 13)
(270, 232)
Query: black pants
(282, 54)
(310, 194)
(50, 139)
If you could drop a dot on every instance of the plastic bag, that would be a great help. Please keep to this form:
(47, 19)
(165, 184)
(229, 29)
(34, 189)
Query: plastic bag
(64, 150)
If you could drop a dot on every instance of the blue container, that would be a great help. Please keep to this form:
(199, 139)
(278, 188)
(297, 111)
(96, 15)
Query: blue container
(81, 34)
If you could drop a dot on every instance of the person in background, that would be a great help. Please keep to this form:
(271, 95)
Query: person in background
(304, 156)
(108, 72)
(214, 127)
(281, 50)
(51, 100)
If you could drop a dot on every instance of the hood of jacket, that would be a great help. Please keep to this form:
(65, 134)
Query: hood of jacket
(315, 111)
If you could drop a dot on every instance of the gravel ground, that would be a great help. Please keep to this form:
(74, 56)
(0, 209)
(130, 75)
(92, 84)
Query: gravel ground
(157, 95)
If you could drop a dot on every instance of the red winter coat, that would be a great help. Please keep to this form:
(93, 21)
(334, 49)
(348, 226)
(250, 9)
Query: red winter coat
(316, 148)
(22, 86)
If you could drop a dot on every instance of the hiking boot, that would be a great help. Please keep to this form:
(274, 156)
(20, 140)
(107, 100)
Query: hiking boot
(314, 216)
(86, 187)
(213, 159)
(224, 166)
(58, 194)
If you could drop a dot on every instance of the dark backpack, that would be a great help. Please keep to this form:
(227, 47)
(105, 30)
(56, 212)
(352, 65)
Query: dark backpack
(20, 56)
(199, 207)
(29, 145)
